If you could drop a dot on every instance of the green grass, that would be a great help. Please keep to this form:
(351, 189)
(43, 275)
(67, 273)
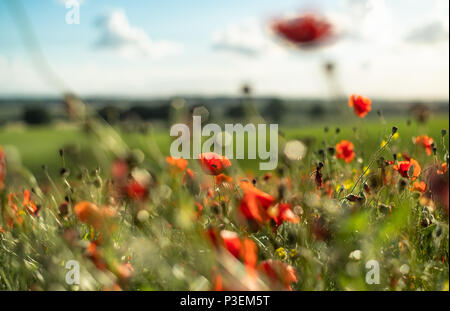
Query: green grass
(38, 146)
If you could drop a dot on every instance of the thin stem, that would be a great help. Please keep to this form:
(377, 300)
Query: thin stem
(371, 162)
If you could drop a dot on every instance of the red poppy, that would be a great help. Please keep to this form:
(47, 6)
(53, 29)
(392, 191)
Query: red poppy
(419, 186)
(344, 150)
(279, 273)
(89, 213)
(177, 164)
(213, 163)
(306, 30)
(403, 167)
(119, 169)
(231, 242)
(242, 249)
(443, 169)
(281, 213)
(222, 178)
(255, 202)
(28, 203)
(360, 104)
(136, 190)
(425, 142)
(2, 168)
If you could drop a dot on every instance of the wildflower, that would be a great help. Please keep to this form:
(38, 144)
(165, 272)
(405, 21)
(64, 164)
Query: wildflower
(136, 190)
(222, 178)
(177, 164)
(213, 163)
(344, 150)
(383, 143)
(408, 169)
(29, 204)
(255, 202)
(395, 136)
(426, 142)
(280, 274)
(304, 30)
(443, 169)
(2, 168)
(419, 186)
(89, 213)
(360, 104)
(281, 253)
(281, 213)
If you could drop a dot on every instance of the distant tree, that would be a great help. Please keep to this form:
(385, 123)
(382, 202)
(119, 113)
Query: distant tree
(317, 111)
(237, 111)
(110, 114)
(36, 115)
(275, 110)
(148, 113)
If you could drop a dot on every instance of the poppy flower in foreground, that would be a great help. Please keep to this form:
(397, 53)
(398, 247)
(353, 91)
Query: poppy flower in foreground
(213, 163)
(344, 151)
(255, 203)
(279, 273)
(281, 213)
(425, 142)
(360, 104)
(306, 30)
(404, 168)
(91, 214)
(2, 168)
(244, 249)
(419, 186)
(178, 164)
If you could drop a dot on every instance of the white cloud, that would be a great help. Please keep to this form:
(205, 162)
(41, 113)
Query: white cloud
(429, 33)
(246, 38)
(117, 34)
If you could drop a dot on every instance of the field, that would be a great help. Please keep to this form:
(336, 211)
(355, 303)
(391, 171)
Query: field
(115, 207)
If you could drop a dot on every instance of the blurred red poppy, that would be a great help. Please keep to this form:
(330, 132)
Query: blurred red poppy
(283, 212)
(89, 213)
(213, 163)
(344, 151)
(404, 168)
(419, 186)
(136, 190)
(177, 164)
(28, 203)
(305, 30)
(255, 202)
(222, 178)
(2, 168)
(425, 142)
(279, 273)
(360, 104)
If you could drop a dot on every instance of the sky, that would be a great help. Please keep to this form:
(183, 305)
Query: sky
(136, 48)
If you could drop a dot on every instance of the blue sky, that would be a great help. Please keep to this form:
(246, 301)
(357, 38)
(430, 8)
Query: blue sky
(391, 49)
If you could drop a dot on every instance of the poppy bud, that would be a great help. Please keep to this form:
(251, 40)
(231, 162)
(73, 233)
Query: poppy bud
(353, 198)
(395, 156)
(394, 130)
(379, 113)
(366, 188)
(331, 151)
(443, 132)
(326, 129)
(408, 122)
(61, 152)
(338, 130)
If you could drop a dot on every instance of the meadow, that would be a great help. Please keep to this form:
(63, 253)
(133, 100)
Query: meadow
(360, 206)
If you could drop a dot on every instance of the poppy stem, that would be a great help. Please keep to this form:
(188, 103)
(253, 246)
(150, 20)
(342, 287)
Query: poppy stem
(370, 163)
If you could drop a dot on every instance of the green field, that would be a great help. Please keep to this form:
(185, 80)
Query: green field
(38, 146)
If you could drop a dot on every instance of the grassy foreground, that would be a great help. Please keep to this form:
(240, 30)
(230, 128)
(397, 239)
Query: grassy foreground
(375, 218)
